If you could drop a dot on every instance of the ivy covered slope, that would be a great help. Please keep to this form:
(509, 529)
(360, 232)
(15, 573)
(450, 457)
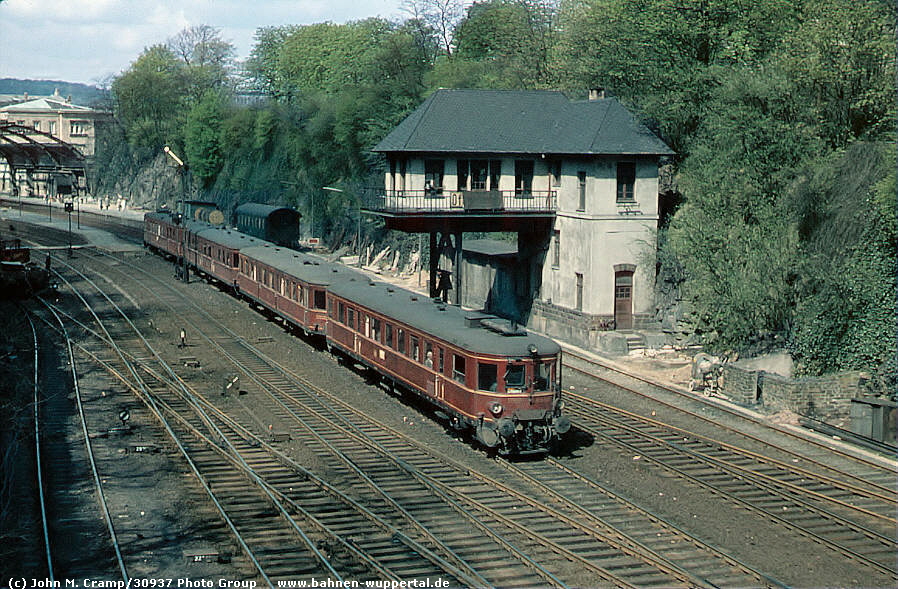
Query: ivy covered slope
(781, 112)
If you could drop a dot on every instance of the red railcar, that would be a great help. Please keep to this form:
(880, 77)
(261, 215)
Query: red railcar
(489, 376)
(484, 373)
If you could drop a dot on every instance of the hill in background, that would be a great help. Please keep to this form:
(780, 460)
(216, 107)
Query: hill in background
(81, 93)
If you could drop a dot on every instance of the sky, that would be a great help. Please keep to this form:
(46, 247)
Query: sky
(89, 41)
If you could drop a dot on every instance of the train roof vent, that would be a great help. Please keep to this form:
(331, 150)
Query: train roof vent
(503, 327)
(474, 320)
(391, 289)
(413, 297)
(306, 263)
(441, 307)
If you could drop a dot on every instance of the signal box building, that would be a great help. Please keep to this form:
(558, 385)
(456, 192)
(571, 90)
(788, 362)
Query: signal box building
(576, 180)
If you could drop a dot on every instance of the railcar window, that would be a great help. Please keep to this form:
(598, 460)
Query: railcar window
(441, 358)
(351, 319)
(415, 352)
(458, 368)
(375, 329)
(487, 376)
(341, 313)
(543, 376)
(388, 335)
(514, 376)
(400, 341)
(428, 355)
(319, 299)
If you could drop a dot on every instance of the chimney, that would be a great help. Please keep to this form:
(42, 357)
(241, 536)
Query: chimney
(596, 94)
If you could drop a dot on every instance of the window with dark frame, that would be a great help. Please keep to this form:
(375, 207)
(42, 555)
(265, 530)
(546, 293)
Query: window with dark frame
(487, 376)
(433, 177)
(626, 181)
(388, 335)
(523, 178)
(458, 368)
(579, 303)
(581, 184)
(556, 248)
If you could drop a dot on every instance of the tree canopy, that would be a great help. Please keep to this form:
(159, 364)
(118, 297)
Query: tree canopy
(781, 114)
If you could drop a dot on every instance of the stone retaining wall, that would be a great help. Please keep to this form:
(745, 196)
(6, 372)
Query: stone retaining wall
(823, 398)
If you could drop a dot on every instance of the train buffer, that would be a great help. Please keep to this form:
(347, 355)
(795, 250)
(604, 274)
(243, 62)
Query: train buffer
(189, 361)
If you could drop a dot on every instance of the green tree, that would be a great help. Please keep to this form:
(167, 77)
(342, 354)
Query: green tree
(147, 99)
(203, 138)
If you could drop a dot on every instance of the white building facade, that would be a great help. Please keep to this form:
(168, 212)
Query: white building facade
(589, 164)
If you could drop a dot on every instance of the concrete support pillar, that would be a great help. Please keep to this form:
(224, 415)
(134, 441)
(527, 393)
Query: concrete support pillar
(434, 265)
(456, 300)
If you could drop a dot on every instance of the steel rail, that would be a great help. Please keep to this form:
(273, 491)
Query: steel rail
(204, 417)
(145, 397)
(889, 499)
(459, 569)
(90, 454)
(789, 524)
(648, 557)
(37, 452)
(570, 351)
(597, 520)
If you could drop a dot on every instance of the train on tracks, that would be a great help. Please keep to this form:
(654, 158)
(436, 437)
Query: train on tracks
(483, 374)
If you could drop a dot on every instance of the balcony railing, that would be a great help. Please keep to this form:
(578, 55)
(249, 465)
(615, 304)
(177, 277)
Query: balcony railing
(460, 201)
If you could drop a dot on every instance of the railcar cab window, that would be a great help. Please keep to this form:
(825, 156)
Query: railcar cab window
(487, 376)
(543, 377)
(458, 368)
(515, 377)
(320, 299)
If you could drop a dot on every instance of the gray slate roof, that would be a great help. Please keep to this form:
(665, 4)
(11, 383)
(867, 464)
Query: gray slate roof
(531, 122)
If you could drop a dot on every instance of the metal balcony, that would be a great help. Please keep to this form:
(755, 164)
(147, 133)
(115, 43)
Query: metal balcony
(441, 201)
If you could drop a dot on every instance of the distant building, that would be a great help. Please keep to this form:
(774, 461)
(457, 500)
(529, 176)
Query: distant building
(57, 116)
(60, 132)
(589, 167)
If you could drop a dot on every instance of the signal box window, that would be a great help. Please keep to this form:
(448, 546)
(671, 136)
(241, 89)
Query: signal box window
(433, 177)
(458, 368)
(486, 376)
(523, 178)
(514, 376)
(626, 180)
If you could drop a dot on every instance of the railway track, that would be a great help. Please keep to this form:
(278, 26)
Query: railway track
(67, 458)
(841, 510)
(259, 519)
(382, 458)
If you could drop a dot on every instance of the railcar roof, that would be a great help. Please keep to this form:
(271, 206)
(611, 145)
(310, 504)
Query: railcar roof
(228, 237)
(256, 209)
(310, 269)
(446, 322)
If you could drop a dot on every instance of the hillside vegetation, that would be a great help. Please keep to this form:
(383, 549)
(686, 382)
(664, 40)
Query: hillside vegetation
(781, 112)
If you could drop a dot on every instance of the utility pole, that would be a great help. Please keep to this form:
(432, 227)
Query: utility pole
(68, 209)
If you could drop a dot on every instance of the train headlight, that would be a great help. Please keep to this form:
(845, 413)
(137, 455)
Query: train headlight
(495, 408)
